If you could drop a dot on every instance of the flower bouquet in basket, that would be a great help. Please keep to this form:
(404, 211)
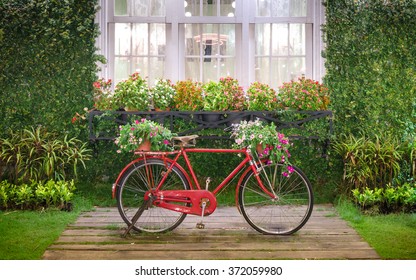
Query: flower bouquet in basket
(263, 139)
(144, 135)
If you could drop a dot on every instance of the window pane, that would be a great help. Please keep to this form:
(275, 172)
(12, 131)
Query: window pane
(192, 69)
(227, 8)
(281, 8)
(263, 8)
(120, 8)
(139, 8)
(210, 39)
(279, 72)
(262, 39)
(122, 69)
(157, 39)
(191, 8)
(140, 65)
(297, 67)
(280, 39)
(297, 39)
(156, 69)
(210, 70)
(157, 8)
(298, 8)
(262, 68)
(227, 67)
(140, 38)
(209, 8)
(122, 39)
(227, 39)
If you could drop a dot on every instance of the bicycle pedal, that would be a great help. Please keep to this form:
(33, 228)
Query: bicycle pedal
(200, 226)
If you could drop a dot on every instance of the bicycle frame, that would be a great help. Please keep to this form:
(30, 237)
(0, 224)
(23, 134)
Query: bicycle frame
(191, 200)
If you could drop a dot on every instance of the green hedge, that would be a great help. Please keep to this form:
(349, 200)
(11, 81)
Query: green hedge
(47, 62)
(371, 64)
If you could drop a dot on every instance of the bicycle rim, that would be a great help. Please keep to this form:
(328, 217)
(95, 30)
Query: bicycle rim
(141, 178)
(284, 215)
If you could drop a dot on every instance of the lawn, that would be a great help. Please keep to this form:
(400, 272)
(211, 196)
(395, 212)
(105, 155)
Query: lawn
(26, 234)
(392, 236)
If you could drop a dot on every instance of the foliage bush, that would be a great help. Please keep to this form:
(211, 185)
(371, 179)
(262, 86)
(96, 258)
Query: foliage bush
(371, 163)
(36, 154)
(37, 195)
(371, 64)
(391, 199)
(47, 62)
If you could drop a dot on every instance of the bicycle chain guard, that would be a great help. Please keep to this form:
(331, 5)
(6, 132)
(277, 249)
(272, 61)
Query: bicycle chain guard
(185, 201)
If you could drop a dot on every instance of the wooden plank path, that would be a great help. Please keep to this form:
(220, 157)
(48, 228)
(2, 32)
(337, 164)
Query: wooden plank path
(97, 235)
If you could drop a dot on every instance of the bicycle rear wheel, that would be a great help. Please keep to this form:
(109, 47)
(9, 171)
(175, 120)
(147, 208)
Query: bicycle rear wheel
(135, 182)
(284, 215)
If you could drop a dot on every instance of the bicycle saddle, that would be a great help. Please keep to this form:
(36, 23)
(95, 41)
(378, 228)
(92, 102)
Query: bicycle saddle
(185, 141)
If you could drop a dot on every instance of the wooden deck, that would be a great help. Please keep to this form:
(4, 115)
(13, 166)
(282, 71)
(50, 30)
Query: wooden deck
(96, 235)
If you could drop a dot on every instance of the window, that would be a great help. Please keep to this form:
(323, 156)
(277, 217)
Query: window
(209, 8)
(271, 41)
(139, 47)
(209, 51)
(281, 8)
(141, 8)
(280, 54)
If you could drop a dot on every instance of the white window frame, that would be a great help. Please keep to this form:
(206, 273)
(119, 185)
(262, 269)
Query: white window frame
(245, 20)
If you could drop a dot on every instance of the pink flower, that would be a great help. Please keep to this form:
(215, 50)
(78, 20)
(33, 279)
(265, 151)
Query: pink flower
(285, 174)
(290, 169)
(166, 142)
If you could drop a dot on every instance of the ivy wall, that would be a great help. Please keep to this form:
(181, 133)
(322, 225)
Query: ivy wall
(371, 65)
(47, 62)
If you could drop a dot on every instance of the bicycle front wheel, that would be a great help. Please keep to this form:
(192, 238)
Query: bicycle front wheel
(135, 182)
(281, 216)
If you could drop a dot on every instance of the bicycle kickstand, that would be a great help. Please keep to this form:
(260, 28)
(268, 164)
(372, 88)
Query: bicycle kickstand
(145, 205)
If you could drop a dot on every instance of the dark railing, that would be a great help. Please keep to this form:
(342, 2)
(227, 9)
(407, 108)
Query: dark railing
(294, 124)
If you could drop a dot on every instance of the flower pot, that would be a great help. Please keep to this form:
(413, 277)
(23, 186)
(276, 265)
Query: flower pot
(145, 146)
(212, 117)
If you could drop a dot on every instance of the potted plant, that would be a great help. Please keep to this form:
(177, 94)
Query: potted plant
(133, 94)
(264, 140)
(304, 94)
(236, 100)
(162, 94)
(261, 97)
(235, 96)
(188, 96)
(103, 99)
(144, 135)
(215, 101)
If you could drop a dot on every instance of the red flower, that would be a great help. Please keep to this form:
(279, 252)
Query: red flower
(97, 84)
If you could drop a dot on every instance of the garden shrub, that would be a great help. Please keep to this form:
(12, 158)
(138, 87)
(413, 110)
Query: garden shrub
(391, 199)
(36, 154)
(47, 62)
(371, 64)
(37, 195)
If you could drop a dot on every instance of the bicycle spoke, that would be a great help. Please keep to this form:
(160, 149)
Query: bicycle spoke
(283, 215)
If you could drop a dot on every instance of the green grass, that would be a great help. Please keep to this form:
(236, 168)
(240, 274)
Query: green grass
(392, 236)
(25, 235)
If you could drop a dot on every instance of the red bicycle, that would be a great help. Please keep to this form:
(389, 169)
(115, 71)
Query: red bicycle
(155, 193)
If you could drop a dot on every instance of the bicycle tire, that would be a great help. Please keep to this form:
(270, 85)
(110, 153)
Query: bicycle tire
(284, 215)
(135, 183)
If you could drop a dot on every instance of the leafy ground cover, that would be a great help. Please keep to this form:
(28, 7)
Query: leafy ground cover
(393, 236)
